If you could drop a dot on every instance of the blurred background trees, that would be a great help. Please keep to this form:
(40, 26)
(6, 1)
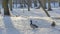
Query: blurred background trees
(9, 4)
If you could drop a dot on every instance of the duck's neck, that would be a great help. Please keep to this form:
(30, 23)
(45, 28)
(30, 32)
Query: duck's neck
(31, 22)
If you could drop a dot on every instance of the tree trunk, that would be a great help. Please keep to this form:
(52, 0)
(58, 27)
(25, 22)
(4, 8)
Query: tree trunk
(5, 6)
(43, 8)
(35, 3)
(45, 4)
(24, 4)
(59, 3)
(10, 2)
(49, 6)
(39, 5)
(53, 22)
(29, 4)
(16, 3)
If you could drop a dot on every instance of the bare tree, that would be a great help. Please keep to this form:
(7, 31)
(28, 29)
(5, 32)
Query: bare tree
(10, 2)
(35, 3)
(21, 3)
(29, 4)
(53, 22)
(59, 3)
(49, 6)
(5, 6)
(45, 4)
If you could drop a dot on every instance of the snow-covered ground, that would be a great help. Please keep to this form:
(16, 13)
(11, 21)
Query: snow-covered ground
(21, 24)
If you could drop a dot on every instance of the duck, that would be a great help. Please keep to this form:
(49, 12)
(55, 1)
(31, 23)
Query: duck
(33, 25)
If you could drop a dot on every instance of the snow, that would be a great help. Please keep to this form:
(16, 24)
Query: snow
(21, 23)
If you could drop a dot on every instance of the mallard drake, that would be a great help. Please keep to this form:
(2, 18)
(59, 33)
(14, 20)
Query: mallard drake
(33, 25)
